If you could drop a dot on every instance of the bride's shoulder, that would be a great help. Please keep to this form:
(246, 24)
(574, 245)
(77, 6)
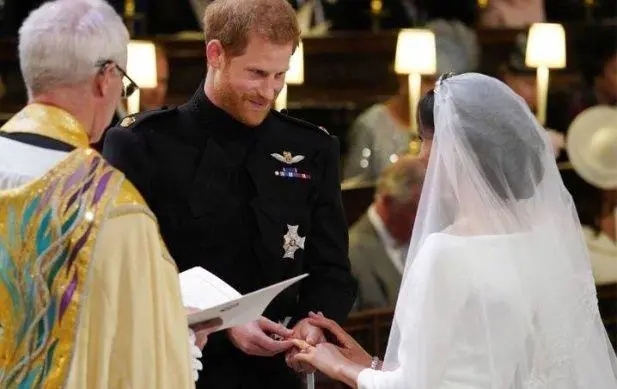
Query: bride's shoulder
(441, 247)
(442, 242)
(446, 257)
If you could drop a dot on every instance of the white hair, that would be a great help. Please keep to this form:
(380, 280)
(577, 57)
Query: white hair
(62, 42)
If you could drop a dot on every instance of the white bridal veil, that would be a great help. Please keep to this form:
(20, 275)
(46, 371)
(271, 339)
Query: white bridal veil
(492, 175)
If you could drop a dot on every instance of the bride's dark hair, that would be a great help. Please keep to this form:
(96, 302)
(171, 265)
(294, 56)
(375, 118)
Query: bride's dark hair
(506, 155)
(426, 120)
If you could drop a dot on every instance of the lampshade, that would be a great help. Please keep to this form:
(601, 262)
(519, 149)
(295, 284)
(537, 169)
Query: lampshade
(141, 63)
(415, 52)
(546, 46)
(295, 74)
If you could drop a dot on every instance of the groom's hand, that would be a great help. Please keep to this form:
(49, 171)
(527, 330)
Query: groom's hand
(312, 335)
(255, 338)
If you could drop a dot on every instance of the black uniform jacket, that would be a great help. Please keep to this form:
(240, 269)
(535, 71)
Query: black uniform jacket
(253, 205)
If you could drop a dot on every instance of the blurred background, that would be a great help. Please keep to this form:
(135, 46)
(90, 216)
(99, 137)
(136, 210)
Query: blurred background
(360, 80)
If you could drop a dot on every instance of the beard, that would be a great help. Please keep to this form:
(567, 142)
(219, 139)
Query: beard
(240, 105)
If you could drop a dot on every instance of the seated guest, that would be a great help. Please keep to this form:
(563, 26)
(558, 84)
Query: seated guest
(512, 14)
(592, 148)
(379, 240)
(515, 73)
(599, 66)
(598, 53)
(522, 80)
(346, 15)
(381, 133)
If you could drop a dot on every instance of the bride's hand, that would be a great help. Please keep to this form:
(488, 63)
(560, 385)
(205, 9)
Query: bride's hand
(325, 357)
(348, 346)
(328, 359)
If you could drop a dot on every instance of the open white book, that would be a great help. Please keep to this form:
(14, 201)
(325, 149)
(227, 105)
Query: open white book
(215, 298)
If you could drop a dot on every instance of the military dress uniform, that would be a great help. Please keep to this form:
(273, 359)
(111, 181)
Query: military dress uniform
(253, 205)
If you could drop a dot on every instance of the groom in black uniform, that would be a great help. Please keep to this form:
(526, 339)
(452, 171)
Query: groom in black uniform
(249, 193)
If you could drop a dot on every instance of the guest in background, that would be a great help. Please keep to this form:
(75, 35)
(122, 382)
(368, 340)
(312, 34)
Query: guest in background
(598, 53)
(599, 66)
(382, 132)
(348, 15)
(512, 14)
(517, 75)
(394, 14)
(593, 11)
(522, 80)
(379, 240)
(592, 148)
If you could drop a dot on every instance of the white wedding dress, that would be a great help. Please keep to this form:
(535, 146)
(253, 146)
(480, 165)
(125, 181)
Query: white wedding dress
(448, 314)
(498, 291)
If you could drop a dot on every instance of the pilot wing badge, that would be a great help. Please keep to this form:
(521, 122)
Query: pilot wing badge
(292, 242)
(288, 171)
(287, 157)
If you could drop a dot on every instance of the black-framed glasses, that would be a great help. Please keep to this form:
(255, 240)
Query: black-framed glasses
(127, 88)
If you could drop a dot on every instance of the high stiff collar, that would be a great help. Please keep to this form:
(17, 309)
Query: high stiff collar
(48, 121)
(214, 117)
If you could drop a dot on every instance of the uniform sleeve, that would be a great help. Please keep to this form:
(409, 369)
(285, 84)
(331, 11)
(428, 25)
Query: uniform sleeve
(330, 288)
(133, 328)
(361, 138)
(126, 151)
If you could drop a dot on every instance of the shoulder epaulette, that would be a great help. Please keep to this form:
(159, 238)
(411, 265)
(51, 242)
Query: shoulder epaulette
(283, 115)
(135, 119)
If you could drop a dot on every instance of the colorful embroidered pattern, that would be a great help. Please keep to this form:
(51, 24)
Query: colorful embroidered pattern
(292, 172)
(47, 230)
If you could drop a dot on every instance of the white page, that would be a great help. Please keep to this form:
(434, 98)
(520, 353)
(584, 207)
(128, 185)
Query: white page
(243, 309)
(202, 289)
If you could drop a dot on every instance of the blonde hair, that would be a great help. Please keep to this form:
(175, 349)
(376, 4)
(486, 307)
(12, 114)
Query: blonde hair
(233, 21)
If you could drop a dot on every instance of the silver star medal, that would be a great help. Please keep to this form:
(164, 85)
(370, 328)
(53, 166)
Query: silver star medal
(293, 242)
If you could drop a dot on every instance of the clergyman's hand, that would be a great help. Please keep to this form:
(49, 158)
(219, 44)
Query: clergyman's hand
(203, 329)
(198, 336)
(255, 338)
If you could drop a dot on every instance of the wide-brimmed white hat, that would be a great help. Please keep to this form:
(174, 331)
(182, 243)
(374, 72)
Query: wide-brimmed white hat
(592, 146)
